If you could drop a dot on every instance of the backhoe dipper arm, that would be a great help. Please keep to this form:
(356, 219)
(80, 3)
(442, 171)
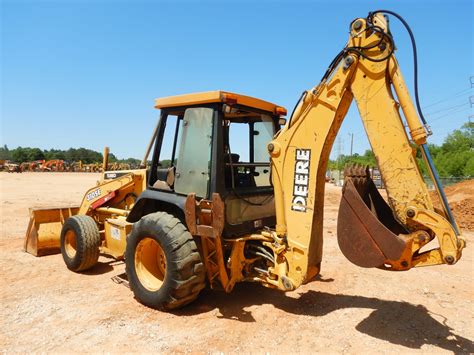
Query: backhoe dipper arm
(366, 70)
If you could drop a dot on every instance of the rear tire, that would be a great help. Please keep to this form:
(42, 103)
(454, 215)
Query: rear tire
(163, 264)
(80, 241)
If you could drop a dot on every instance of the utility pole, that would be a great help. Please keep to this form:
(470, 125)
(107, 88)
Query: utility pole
(471, 98)
(469, 127)
(339, 150)
(352, 141)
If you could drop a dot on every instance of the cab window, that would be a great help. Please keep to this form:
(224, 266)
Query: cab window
(246, 158)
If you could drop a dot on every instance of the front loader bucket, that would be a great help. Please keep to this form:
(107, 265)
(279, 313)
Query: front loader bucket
(44, 230)
(367, 232)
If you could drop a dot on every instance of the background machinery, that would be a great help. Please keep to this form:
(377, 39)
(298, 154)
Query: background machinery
(204, 210)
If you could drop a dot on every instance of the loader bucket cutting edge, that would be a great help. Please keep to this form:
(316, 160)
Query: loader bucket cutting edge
(367, 233)
(44, 230)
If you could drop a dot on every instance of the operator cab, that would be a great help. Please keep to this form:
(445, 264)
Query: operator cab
(216, 142)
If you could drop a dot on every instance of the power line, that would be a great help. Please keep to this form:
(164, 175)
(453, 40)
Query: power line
(448, 124)
(456, 109)
(449, 113)
(458, 94)
(446, 108)
(433, 116)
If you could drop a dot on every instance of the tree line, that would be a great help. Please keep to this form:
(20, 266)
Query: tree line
(453, 158)
(87, 156)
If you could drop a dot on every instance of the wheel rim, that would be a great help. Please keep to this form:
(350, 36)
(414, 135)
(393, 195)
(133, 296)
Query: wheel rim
(150, 264)
(70, 243)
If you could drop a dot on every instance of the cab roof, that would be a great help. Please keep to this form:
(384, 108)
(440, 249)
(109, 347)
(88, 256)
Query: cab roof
(218, 96)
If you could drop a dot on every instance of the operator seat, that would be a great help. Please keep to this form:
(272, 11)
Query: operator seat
(228, 170)
(165, 178)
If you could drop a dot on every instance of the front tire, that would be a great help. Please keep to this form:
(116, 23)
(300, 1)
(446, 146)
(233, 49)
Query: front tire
(80, 241)
(163, 264)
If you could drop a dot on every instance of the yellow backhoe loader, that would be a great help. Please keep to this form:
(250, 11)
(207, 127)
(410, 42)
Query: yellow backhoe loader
(234, 192)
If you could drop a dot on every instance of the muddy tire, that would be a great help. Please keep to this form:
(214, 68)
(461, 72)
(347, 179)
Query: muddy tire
(80, 241)
(163, 264)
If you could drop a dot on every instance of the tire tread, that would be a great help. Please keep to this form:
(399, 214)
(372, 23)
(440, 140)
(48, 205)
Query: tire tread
(184, 264)
(87, 243)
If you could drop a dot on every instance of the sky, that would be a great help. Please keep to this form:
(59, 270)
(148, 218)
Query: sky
(86, 73)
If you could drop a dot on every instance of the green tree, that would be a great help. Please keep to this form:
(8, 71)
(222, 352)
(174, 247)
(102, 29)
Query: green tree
(469, 167)
(19, 155)
(456, 152)
(5, 153)
(35, 154)
(460, 140)
(54, 154)
(455, 156)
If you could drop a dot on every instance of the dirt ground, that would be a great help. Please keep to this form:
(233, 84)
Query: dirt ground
(461, 201)
(46, 308)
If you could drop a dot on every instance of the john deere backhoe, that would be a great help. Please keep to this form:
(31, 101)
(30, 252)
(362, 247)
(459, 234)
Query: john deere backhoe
(203, 213)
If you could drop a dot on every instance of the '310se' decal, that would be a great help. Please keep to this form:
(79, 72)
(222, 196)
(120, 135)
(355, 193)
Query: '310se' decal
(301, 180)
(92, 195)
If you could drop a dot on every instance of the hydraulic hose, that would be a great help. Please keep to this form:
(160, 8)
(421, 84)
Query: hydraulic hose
(415, 62)
(424, 147)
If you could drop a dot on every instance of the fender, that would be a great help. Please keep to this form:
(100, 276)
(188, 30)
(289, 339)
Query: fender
(151, 201)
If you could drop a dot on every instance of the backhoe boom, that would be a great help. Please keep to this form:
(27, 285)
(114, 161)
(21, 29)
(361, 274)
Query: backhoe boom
(367, 71)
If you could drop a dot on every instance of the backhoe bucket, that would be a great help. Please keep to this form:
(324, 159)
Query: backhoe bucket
(367, 232)
(44, 230)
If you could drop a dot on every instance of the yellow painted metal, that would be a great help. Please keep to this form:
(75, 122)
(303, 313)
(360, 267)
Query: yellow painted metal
(110, 211)
(237, 261)
(212, 97)
(150, 264)
(105, 161)
(299, 157)
(236, 264)
(313, 128)
(417, 131)
(395, 158)
(133, 182)
(44, 228)
(115, 236)
(70, 243)
(213, 258)
(450, 247)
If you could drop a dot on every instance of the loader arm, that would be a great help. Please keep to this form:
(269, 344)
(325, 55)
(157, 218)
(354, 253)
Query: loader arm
(370, 232)
(113, 197)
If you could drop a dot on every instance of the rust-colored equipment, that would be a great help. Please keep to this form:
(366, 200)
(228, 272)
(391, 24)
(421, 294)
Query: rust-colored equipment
(13, 167)
(53, 165)
(32, 166)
